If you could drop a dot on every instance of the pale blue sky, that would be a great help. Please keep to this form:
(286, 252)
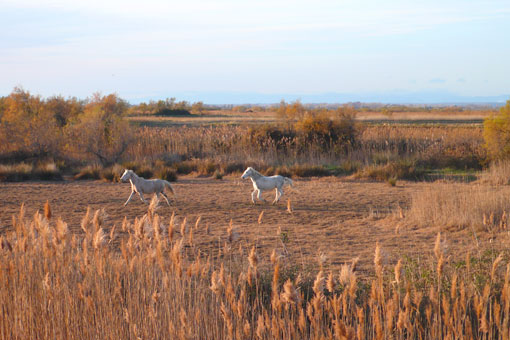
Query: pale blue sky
(256, 51)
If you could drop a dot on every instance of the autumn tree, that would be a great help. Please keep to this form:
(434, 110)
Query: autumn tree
(496, 133)
(64, 109)
(197, 108)
(101, 131)
(28, 126)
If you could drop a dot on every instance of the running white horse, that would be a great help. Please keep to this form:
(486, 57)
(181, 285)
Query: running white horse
(142, 186)
(263, 183)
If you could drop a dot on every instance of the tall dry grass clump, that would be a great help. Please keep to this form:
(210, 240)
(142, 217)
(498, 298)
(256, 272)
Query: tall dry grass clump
(498, 173)
(461, 206)
(58, 285)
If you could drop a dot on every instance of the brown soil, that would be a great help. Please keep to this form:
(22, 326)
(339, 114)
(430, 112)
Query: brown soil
(340, 218)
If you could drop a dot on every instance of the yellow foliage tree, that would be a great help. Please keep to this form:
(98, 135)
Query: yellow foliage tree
(496, 134)
(27, 125)
(102, 131)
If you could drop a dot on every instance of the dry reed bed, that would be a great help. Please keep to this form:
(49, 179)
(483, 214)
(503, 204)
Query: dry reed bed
(63, 286)
(449, 205)
(374, 143)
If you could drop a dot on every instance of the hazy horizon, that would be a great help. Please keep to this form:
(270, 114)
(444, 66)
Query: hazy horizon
(233, 52)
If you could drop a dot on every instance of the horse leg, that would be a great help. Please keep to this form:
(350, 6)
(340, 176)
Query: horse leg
(253, 196)
(129, 199)
(280, 191)
(165, 197)
(258, 196)
(142, 198)
(276, 196)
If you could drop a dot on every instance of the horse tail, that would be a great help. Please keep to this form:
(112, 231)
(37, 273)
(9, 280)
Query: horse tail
(287, 180)
(169, 186)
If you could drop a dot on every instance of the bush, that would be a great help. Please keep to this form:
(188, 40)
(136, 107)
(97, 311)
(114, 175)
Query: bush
(15, 173)
(145, 172)
(206, 168)
(112, 174)
(403, 169)
(89, 172)
(496, 134)
(268, 136)
(166, 173)
(185, 167)
(173, 112)
(307, 170)
(327, 132)
(47, 172)
(234, 167)
(283, 171)
(218, 175)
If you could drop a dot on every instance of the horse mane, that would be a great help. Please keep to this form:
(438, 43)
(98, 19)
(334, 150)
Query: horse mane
(255, 171)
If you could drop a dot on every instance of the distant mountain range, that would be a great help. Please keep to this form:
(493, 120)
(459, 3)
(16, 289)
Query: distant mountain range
(395, 97)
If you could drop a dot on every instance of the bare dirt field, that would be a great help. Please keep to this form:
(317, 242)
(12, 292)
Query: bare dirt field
(343, 219)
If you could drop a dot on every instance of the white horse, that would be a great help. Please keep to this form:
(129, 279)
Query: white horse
(263, 183)
(145, 186)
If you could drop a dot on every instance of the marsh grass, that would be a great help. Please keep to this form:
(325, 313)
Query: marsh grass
(498, 173)
(157, 284)
(25, 171)
(450, 205)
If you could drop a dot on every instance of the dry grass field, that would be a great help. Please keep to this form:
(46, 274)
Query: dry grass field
(377, 251)
(339, 218)
(221, 268)
(225, 117)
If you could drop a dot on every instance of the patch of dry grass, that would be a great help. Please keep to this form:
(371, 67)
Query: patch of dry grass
(461, 206)
(58, 285)
(498, 173)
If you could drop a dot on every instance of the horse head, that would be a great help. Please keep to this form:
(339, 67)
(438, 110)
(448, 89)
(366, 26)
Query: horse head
(126, 175)
(247, 173)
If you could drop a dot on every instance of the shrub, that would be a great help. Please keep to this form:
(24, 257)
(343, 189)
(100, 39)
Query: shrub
(327, 132)
(496, 134)
(173, 112)
(166, 173)
(15, 173)
(403, 169)
(47, 172)
(218, 175)
(283, 171)
(88, 172)
(185, 167)
(233, 167)
(268, 136)
(112, 174)
(306, 170)
(145, 172)
(206, 168)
